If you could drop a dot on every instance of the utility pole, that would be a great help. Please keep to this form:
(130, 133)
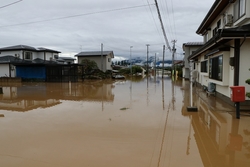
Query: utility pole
(147, 56)
(173, 53)
(155, 65)
(102, 57)
(163, 55)
(131, 60)
(162, 26)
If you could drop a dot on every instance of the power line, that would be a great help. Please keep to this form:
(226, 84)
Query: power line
(154, 19)
(10, 4)
(173, 17)
(162, 26)
(167, 17)
(77, 15)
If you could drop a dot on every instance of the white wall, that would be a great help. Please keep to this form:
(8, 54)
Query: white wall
(98, 61)
(4, 70)
(245, 65)
(11, 53)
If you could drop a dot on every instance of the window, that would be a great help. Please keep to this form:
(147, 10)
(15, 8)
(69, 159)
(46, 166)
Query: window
(109, 59)
(218, 24)
(239, 9)
(215, 68)
(55, 56)
(215, 31)
(28, 55)
(204, 66)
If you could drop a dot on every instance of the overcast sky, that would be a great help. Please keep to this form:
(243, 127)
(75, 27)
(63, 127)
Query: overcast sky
(72, 26)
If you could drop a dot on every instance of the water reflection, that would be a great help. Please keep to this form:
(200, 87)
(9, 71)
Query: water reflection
(221, 139)
(28, 96)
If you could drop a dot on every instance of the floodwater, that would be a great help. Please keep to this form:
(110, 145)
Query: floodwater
(138, 123)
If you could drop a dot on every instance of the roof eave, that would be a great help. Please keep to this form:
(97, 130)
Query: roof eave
(222, 36)
(214, 11)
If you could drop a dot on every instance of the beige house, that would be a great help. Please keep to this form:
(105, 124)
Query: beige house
(224, 58)
(103, 59)
(189, 48)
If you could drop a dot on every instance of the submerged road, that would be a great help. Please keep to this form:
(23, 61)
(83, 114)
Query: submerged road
(138, 123)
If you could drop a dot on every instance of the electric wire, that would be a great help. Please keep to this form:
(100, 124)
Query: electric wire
(173, 19)
(10, 4)
(77, 15)
(153, 18)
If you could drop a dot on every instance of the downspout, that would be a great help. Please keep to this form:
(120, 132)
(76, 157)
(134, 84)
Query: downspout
(236, 71)
(9, 70)
(236, 61)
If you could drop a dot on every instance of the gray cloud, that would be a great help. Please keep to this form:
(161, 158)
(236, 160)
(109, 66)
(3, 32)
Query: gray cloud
(97, 21)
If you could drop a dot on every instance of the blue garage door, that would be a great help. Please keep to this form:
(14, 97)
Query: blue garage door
(31, 72)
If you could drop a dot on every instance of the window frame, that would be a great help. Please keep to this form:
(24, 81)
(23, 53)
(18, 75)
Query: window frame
(28, 55)
(239, 9)
(204, 66)
(216, 68)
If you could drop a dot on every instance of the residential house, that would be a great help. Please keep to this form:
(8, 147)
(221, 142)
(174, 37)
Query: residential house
(103, 59)
(224, 58)
(189, 48)
(22, 54)
(43, 64)
(67, 60)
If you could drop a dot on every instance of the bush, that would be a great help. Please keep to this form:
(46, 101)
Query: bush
(135, 69)
(89, 65)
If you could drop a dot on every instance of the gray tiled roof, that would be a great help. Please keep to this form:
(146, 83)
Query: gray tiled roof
(48, 50)
(194, 44)
(67, 58)
(18, 47)
(94, 53)
(28, 48)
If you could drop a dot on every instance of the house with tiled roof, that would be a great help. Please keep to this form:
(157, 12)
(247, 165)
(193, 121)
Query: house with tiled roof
(189, 48)
(41, 63)
(103, 59)
(224, 60)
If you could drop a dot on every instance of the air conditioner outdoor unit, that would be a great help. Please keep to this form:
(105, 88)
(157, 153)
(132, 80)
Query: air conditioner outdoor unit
(228, 19)
(211, 87)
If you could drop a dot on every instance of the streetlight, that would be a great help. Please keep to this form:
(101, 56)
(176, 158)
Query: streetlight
(131, 59)
(147, 57)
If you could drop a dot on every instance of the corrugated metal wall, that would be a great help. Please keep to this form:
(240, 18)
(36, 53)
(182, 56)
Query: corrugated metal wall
(31, 72)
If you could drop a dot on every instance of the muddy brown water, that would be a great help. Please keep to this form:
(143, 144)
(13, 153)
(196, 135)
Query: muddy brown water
(138, 123)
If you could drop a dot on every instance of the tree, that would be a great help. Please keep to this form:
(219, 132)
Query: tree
(89, 65)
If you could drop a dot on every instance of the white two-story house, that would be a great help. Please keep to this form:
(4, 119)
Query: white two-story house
(224, 58)
(12, 56)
